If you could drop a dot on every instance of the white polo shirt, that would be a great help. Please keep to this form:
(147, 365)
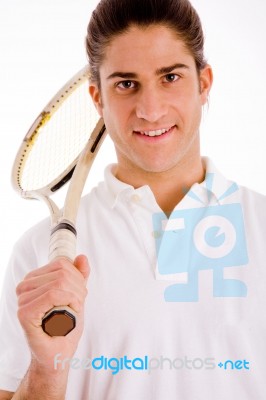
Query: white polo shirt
(175, 308)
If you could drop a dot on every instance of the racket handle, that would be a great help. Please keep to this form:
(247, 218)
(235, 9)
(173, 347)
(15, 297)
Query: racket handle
(60, 321)
(63, 241)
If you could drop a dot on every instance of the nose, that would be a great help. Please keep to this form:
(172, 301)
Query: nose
(151, 105)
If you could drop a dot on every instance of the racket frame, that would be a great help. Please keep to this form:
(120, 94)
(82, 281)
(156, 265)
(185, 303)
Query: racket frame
(28, 141)
(63, 231)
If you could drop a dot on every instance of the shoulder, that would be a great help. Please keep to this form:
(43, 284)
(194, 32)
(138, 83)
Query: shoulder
(252, 201)
(31, 250)
(254, 213)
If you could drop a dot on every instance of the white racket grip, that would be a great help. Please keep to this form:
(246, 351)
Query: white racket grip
(61, 320)
(63, 242)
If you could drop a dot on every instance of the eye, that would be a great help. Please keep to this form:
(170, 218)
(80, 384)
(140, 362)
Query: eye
(126, 85)
(171, 78)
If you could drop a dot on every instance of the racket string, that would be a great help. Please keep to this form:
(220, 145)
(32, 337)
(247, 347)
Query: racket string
(59, 141)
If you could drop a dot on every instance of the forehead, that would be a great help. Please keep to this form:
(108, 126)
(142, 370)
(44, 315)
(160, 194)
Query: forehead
(145, 47)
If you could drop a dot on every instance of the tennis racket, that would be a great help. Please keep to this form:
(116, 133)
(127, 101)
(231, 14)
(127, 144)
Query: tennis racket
(60, 146)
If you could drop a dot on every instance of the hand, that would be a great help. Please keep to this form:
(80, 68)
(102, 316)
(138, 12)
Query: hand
(59, 283)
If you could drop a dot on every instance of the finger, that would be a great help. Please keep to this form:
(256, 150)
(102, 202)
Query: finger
(57, 264)
(82, 265)
(27, 295)
(61, 279)
(33, 312)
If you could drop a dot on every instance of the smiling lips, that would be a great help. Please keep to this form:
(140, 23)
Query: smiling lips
(157, 132)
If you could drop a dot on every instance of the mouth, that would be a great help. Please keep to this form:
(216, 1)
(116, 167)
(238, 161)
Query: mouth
(153, 133)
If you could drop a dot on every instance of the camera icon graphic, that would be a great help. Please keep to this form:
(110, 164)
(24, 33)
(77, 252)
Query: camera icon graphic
(204, 238)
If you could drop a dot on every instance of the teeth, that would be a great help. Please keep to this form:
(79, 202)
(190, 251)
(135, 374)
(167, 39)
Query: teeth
(158, 132)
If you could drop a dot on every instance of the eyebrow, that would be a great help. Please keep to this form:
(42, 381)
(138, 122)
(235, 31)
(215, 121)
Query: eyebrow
(168, 70)
(159, 71)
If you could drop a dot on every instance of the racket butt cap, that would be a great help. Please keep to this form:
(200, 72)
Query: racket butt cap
(58, 323)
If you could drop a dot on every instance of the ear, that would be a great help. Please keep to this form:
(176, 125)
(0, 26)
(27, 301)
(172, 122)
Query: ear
(206, 79)
(95, 94)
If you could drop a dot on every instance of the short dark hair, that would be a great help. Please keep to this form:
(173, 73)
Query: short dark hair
(114, 17)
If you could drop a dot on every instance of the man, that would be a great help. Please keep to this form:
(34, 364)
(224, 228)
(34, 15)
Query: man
(153, 322)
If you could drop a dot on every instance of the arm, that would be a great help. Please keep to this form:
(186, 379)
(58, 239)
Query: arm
(42, 385)
(39, 385)
(58, 283)
(4, 395)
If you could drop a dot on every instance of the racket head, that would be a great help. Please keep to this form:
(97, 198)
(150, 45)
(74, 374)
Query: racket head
(49, 152)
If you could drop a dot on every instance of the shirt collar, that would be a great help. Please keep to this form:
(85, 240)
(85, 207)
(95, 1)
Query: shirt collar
(216, 186)
(215, 189)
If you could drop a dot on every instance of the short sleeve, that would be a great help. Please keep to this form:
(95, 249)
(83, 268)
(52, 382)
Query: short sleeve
(29, 253)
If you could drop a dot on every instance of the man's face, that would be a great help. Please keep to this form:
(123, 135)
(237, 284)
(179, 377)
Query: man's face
(151, 99)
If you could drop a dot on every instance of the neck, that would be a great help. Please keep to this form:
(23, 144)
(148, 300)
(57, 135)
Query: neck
(168, 187)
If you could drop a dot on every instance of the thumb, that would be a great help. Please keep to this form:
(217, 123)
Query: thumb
(82, 264)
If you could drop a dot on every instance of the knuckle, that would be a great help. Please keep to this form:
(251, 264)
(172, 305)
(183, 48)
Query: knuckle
(52, 295)
(62, 274)
(62, 280)
(30, 274)
(59, 284)
(77, 305)
(21, 314)
(20, 300)
(58, 263)
(19, 288)
(63, 263)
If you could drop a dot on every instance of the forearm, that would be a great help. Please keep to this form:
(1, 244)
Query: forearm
(57, 283)
(42, 384)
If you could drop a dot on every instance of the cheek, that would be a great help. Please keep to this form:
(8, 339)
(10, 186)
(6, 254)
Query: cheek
(190, 107)
(115, 116)
(109, 108)
(191, 115)
(113, 124)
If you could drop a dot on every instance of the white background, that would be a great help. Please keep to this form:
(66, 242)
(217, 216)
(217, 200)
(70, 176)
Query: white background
(42, 46)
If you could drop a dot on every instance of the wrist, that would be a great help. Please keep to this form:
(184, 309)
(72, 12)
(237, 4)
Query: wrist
(43, 383)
